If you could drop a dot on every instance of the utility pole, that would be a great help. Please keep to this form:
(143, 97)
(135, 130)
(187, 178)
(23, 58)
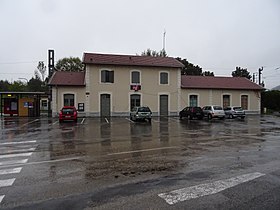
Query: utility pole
(260, 73)
(164, 34)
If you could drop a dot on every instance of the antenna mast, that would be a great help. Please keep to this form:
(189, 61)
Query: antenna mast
(164, 34)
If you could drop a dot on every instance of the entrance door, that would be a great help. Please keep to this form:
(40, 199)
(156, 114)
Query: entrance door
(135, 100)
(105, 100)
(10, 106)
(163, 104)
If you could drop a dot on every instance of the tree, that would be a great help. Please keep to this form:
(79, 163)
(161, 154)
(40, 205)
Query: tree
(4, 85)
(271, 100)
(240, 72)
(41, 70)
(189, 68)
(208, 73)
(154, 53)
(36, 84)
(18, 86)
(70, 64)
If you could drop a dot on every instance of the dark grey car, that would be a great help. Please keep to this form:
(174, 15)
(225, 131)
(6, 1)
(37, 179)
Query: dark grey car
(141, 113)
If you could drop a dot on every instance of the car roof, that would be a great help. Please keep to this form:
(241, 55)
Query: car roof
(68, 107)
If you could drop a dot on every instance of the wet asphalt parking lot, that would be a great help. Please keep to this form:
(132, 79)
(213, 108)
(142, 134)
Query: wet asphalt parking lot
(115, 163)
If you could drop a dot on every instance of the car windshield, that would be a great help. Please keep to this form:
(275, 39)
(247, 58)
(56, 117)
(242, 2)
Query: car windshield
(217, 108)
(237, 108)
(68, 110)
(144, 109)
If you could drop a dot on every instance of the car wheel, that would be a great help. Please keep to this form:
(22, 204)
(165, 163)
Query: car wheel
(180, 116)
(242, 117)
(209, 116)
(150, 120)
(60, 121)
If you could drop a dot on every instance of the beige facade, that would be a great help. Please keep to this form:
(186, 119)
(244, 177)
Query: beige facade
(113, 84)
(59, 92)
(121, 94)
(248, 99)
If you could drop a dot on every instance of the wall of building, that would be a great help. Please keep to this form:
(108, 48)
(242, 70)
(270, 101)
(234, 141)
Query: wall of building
(215, 97)
(58, 100)
(120, 90)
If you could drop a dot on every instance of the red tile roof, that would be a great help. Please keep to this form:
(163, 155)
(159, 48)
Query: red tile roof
(209, 82)
(130, 60)
(63, 78)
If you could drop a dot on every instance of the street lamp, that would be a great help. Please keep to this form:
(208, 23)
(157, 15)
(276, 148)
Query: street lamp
(24, 79)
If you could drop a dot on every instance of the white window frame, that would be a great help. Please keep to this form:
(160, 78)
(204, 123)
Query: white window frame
(168, 79)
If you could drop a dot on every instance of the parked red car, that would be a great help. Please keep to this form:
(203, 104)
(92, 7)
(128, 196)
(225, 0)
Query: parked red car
(68, 113)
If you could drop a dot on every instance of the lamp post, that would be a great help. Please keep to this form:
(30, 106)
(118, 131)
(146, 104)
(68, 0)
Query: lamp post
(24, 79)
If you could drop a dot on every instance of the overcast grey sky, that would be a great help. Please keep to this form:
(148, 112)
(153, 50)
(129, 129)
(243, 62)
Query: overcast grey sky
(217, 35)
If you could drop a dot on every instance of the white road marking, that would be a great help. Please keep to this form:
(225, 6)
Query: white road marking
(16, 155)
(18, 142)
(129, 120)
(144, 150)
(1, 198)
(206, 189)
(55, 122)
(24, 150)
(10, 171)
(106, 120)
(29, 123)
(13, 162)
(7, 182)
(42, 162)
(83, 120)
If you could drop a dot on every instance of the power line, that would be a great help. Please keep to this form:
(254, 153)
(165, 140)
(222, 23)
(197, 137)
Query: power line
(20, 62)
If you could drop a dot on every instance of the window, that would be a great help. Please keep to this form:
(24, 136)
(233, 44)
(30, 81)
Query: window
(244, 102)
(68, 99)
(135, 100)
(226, 101)
(163, 78)
(107, 76)
(44, 105)
(193, 100)
(135, 77)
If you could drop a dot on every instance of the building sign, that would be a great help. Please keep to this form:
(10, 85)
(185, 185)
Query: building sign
(135, 87)
(81, 107)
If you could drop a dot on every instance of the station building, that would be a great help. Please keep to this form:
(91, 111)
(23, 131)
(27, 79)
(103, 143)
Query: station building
(112, 85)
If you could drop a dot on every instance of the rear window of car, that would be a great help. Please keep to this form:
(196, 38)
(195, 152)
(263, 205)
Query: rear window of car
(144, 109)
(198, 109)
(68, 110)
(237, 108)
(217, 108)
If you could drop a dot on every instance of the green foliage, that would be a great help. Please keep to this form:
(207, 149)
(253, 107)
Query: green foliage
(271, 100)
(70, 64)
(18, 86)
(37, 85)
(190, 69)
(240, 72)
(154, 53)
(208, 73)
(4, 85)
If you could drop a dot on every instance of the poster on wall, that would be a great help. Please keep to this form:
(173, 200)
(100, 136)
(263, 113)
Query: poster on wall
(13, 106)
